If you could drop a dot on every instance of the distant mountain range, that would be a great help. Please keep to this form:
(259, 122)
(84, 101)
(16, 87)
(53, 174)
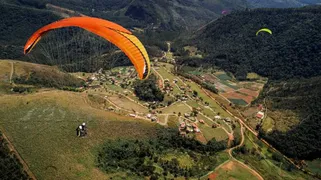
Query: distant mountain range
(281, 3)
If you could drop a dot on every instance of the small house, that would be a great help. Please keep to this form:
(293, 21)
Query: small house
(183, 133)
(187, 115)
(217, 117)
(197, 130)
(194, 125)
(132, 115)
(189, 129)
(149, 116)
(201, 121)
(227, 119)
(260, 115)
(111, 108)
(182, 125)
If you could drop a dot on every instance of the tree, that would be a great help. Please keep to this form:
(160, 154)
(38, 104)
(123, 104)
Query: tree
(147, 90)
(195, 93)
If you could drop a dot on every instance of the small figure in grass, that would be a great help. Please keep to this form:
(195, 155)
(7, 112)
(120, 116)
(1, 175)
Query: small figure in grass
(84, 127)
(78, 130)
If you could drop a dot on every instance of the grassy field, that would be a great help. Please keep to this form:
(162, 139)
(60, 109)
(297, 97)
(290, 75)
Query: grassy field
(252, 76)
(210, 133)
(212, 103)
(178, 107)
(125, 103)
(5, 67)
(165, 72)
(208, 112)
(233, 170)
(185, 161)
(114, 88)
(267, 124)
(42, 128)
(172, 121)
(314, 166)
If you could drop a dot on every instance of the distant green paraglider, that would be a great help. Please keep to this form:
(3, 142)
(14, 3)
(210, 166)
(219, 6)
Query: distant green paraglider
(265, 30)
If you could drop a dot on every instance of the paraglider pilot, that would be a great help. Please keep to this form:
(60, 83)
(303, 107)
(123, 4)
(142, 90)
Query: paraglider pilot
(82, 130)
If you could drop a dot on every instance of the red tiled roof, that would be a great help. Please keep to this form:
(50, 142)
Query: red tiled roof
(259, 115)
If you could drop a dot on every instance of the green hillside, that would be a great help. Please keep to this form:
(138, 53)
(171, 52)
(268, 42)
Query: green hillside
(16, 23)
(23, 73)
(302, 96)
(292, 51)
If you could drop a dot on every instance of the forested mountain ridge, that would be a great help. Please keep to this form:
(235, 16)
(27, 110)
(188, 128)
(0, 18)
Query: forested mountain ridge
(16, 24)
(164, 14)
(293, 50)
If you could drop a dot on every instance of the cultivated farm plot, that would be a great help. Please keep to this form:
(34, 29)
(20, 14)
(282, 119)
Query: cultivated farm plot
(243, 99)
(239, 93)
(42, 127)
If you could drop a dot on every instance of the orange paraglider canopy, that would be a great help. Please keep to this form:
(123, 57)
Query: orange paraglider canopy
(110, 31)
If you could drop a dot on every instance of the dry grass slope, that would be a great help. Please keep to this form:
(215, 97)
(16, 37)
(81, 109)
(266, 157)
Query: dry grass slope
(42, 128)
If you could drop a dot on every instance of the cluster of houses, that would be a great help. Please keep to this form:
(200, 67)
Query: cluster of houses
(151, 117)
(110, 76)
(167, 86)
(226, 120)
(185, 128)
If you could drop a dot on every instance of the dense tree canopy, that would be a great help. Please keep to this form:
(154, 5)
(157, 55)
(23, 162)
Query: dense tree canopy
(148, 90)
(141, 157)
